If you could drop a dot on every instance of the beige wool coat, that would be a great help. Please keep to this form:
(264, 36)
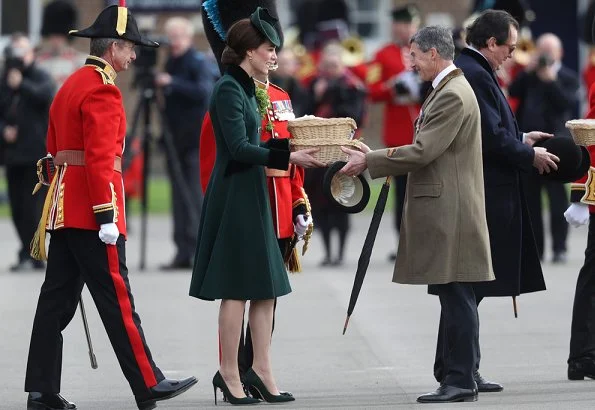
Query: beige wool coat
(444, 233)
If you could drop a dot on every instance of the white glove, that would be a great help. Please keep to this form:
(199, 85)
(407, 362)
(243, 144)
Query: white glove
(301, 224)
(108, 233)
(577, 214)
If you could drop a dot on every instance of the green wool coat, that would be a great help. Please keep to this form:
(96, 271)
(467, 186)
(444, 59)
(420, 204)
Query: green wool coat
(237, 255)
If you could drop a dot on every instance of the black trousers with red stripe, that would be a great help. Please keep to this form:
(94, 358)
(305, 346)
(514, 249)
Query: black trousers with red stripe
(77, 257)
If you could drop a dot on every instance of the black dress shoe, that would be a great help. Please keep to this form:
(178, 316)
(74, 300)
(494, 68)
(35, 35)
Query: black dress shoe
(579, 369)
(485, 386)
(448, 394)
(559, 257)
(48, 401)
(27, 265)
(177, 264)
(164, 390)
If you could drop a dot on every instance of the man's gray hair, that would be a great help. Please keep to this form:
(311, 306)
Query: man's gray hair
(436, 37)
(100, 45)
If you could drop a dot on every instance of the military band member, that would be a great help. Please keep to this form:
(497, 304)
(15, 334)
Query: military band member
(56, 55)
(84, 211)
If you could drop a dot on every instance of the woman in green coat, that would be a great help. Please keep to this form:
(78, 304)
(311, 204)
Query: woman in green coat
(237, 257)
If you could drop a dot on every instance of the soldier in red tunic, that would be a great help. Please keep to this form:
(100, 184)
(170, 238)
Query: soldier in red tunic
(581, 359)
(84, 211)
(391, 82)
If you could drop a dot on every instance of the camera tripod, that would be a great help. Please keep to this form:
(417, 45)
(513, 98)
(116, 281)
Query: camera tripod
(146, 102)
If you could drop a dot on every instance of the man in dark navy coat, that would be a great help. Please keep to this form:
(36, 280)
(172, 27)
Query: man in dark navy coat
(506, 153)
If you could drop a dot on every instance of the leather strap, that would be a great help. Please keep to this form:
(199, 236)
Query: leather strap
(277, 173)
(77, 157)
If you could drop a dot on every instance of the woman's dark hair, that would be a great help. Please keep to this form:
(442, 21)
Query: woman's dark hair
(490, 23)
(241, 37)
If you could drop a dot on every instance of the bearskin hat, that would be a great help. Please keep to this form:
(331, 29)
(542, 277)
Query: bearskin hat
(59, 17)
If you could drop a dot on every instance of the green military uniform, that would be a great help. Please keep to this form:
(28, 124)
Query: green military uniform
(237, 254)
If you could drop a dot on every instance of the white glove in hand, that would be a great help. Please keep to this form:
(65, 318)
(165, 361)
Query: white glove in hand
(301, 224)
(108, 233)
(577, 214)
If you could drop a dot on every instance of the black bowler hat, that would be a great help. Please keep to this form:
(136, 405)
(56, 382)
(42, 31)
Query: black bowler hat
(347, 194)
(265, 24)
(406, 14)
(115, 22)
(574, 159)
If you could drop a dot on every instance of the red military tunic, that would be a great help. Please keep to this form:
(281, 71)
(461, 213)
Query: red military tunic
(87, 115)
(398, 118)
(583, 190)
(286, 192)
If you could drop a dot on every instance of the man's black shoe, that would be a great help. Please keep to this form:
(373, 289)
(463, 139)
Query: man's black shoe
(485, 386)
(164, 390)
(560, 257)
(579, 369)
(27, 265)
(177, 264)
(48, 401)
(448, 394)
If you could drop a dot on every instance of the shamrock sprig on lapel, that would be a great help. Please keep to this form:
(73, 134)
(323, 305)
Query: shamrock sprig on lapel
(264, 103)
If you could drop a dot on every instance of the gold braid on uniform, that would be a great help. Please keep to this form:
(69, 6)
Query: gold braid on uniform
(292, 263)
(37, 246)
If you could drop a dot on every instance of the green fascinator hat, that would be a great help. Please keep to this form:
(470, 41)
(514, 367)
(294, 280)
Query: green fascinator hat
(264, 23)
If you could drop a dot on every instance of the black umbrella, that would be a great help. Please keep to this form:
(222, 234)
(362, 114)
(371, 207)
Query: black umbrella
(364, 258)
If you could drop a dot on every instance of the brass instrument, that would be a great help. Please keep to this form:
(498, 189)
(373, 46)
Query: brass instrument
(353, 53)
(524, 50)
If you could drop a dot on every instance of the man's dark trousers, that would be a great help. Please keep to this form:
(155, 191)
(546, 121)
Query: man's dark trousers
(558, 203)
(25, 208)
(582, 333)
(186, 220)
(458, 335)
(77, 257)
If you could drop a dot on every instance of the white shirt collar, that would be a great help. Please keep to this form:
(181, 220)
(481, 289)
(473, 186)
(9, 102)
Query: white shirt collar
(443, 74)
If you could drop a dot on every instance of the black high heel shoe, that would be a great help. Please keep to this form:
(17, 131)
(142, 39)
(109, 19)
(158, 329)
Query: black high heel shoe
(218, 382)
(255, 383)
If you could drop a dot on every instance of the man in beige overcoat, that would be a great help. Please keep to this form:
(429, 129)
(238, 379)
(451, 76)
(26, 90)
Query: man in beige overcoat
(444, 235)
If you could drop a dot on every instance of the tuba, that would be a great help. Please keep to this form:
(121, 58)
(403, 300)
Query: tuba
(353, 51)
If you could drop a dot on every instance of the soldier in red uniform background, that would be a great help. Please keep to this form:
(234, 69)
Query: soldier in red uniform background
(581, 359)
(390, 82)
(56, 55)
(84, 211)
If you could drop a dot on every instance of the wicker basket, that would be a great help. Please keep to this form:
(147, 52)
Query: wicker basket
(327, 134)
(583, 131)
